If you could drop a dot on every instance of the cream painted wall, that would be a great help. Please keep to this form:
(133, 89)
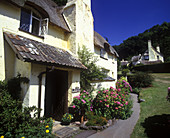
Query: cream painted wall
(75, 82)
(80, 18)
(109, 64)
(34, 86)
(9, 61)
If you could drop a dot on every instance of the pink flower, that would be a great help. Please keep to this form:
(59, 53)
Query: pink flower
(79, 94)
(118, 102)
(107, 106)
(119, 90)
(111, 93)
(100, 101)
(74, 106)
(116, 108)
(121, 105)
(83, 101)
(87, 93)
(106, 90)
(105, 100)
(84, 96)
(84, 91)
(111, 87)
(98, 91)
(107, 96)
(126, 103)
(123, 99)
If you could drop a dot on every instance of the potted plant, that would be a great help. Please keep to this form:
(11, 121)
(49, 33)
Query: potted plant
(66, 119)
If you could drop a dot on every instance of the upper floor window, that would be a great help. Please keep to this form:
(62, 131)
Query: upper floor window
(103, 53)
(31, 21)
(146, 57)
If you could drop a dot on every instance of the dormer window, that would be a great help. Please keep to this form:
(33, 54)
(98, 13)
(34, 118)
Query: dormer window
(103, 53)
(32, 22)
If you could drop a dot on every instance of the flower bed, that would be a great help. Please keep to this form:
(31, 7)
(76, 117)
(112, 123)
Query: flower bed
(109, 103)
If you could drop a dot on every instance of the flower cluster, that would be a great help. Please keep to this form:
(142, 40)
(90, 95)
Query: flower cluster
(110, 103)
(123, 84)
(83, 101)
(67, 118)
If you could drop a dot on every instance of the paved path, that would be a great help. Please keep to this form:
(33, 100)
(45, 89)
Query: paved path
(122, 128)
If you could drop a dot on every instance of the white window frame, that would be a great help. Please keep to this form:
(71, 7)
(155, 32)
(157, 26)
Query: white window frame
(40, 33)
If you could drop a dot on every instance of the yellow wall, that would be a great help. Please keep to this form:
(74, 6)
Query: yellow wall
(80, 18)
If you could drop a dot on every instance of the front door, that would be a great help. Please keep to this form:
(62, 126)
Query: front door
(56, 94)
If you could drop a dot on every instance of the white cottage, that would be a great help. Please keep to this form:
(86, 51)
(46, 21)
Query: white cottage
(40, 40)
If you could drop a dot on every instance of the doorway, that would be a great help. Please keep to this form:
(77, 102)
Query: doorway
(56, 94)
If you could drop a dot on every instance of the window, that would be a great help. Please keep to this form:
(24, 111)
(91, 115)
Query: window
(157, 57)
(32, 22)
(103, 53)
(146, 57)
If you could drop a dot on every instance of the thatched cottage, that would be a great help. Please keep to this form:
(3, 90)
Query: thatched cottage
(40, 40)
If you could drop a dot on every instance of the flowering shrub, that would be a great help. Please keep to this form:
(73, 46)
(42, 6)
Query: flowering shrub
(123, 86)
(82, 103)
(114, 103)
(67, 118)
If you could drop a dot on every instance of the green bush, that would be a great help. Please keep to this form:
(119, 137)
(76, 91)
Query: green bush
(140, 80)
(154, 68)
(17, 122)
(95, 120)
(125, 71)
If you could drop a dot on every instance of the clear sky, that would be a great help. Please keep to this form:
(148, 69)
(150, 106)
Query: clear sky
(120, 19)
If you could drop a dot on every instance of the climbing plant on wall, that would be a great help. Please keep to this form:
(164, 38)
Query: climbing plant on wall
(93, 71)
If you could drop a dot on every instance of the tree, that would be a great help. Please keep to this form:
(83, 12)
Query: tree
(92, 72)
(159, 34)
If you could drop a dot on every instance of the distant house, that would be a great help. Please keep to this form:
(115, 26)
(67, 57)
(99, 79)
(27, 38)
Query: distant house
(124, 63)
(150, 56)
(40, 40)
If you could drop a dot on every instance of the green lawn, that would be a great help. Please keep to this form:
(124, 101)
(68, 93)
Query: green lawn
(155, 111)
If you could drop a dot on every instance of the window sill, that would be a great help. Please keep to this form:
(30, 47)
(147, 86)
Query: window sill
(42, 37)
(104, 58)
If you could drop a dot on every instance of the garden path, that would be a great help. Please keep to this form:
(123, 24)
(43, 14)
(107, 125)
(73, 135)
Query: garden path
(122, 128)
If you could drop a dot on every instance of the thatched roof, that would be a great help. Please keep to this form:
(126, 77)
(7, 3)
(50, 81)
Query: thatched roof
(101, 42)
(54, 12)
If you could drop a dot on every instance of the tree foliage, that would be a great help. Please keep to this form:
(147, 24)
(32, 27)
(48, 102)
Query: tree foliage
(159, 34)
(92, 72)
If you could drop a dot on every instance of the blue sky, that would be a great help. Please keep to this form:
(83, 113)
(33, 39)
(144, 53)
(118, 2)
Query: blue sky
(120, 19)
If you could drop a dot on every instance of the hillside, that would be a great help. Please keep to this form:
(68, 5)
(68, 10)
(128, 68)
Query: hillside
(159, 34)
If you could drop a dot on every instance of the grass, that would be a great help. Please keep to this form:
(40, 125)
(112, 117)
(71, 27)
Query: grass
(155, 111)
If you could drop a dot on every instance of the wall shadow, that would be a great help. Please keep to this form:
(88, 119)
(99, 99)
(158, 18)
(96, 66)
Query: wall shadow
(158, 125)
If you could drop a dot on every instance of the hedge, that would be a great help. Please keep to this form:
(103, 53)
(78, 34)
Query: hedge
(155, 68)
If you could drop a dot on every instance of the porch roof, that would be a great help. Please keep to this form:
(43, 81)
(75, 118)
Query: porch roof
(29, 50)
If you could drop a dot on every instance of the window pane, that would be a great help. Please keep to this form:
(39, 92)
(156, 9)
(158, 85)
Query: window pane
(35, 26)
(25, 20)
